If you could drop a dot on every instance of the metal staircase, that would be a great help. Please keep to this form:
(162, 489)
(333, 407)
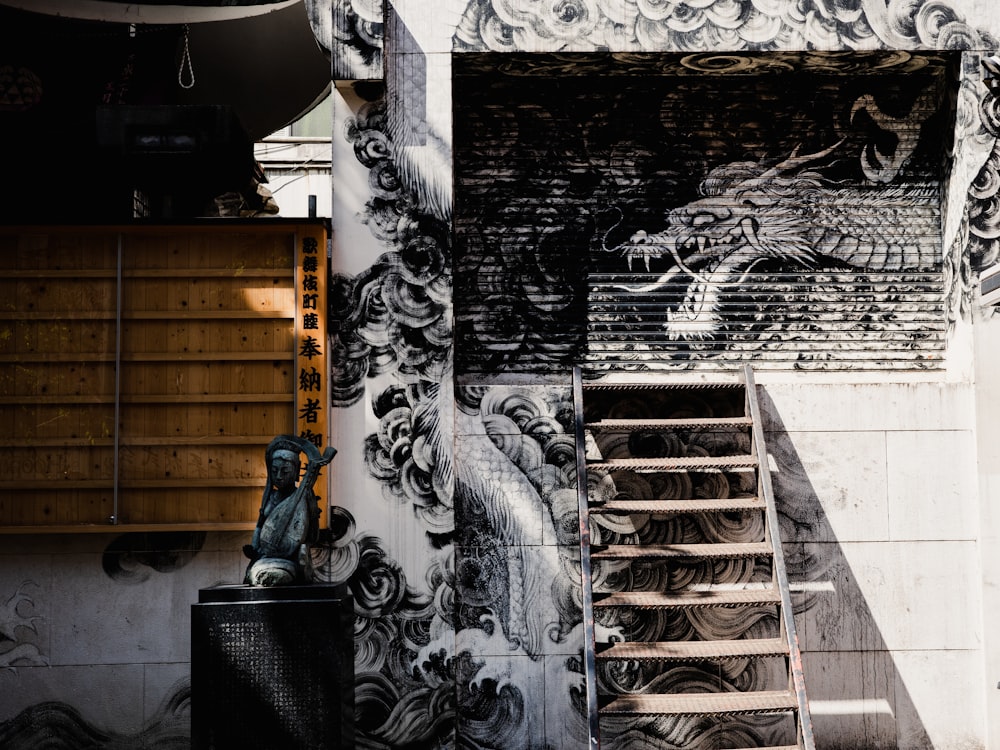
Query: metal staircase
(677, 518)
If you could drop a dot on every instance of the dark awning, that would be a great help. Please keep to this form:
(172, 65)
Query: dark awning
(150, 11)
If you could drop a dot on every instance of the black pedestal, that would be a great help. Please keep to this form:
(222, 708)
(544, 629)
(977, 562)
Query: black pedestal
(272, 668)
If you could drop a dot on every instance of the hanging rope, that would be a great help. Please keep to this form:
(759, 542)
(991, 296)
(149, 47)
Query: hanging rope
(186, 63)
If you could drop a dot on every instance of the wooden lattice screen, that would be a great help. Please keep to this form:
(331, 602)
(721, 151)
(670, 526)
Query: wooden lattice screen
(195, 341)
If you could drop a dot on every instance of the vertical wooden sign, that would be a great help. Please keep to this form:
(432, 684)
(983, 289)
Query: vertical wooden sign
(311, 382)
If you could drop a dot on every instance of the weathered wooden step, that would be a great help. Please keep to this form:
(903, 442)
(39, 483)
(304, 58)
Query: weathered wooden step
(668, 507)
(726, 551)
(709, 598)
(694, 650)
(675, 463)
(634, 425)
(703, 704)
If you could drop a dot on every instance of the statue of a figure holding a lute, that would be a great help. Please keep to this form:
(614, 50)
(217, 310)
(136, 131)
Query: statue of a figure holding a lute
(289, 514)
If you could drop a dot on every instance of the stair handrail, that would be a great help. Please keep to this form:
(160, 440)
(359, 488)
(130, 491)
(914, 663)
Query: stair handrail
(781, 577)
(586, 581)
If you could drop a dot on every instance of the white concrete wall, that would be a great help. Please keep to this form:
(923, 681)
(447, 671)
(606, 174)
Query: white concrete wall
(100, 624)
(881, 479)
(988, 446)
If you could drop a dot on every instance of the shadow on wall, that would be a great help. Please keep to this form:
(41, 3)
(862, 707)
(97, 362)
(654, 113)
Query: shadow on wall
(856, 693)
(58, 726)
(63, 718)
(132, 558)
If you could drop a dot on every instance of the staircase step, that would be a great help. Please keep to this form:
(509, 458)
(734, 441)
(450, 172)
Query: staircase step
(631, 425)
(612, 385)
(693, 505)
(694, 650)
(674, 406)
(710, 598)
(717, 704)
(676, 463)
(726, 551)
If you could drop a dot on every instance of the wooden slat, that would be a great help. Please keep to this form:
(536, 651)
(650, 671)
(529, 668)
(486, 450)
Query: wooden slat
(36, 357)
(111, 528)
(159, 273)
(210, 273)
(139, 484)
(238, 314)
(56, 442)
(192, 433)
(58, 273)
(56, 485)
(210, 356)
(47, 400)
(695, 650)
(198, 440)
(211, 398)
(706, 704)
(58, 315)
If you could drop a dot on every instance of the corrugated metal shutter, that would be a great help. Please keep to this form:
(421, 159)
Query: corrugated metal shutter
(807, 320)
(777, 208)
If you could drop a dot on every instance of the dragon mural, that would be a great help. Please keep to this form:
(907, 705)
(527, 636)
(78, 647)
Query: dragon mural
(491, 501)
(784, 226)
(498, 510)
(485, 501)
(790, 213)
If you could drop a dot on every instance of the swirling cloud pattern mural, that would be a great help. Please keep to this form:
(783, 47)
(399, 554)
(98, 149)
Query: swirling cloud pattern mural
(394, 319)
(498, 512)
(787, 209)
(504, 25)
(513, 451)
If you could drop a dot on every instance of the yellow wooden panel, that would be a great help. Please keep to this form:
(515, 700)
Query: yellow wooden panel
(195, 299)
(204, 423)
(53, 465)
(58, 250)
(61, 294)
(53, 379)
(58, 337)
(211, 325)
(173, 506)
(87, 423)
(58, 281)
(52, 506)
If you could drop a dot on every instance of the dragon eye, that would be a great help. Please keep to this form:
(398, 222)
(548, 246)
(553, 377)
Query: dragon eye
(700, 220)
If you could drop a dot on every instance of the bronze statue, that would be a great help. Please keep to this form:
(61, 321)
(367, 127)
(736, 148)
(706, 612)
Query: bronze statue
(289, 516)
